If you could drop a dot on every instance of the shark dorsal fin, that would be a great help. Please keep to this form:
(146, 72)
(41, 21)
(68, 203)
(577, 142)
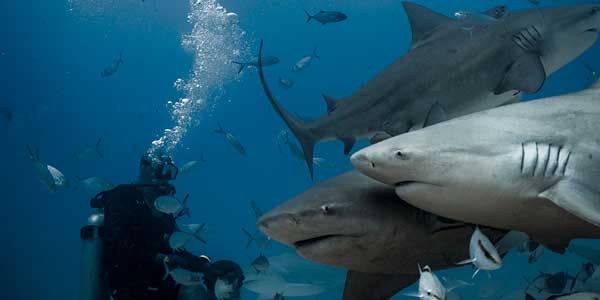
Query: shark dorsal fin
(422, 21)
(596, 85)
(348, 144)
(331, 103)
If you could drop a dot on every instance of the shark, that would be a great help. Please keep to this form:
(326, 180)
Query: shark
(450, 71)
(357, 223)
(532, 167)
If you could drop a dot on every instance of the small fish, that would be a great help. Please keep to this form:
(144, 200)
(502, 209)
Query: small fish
(233, 141)
(278, 296)
(171, 205)
(178, 239)
(256, 209)
(326, 17)
(587, 270)
(95, 185)
(550, 283)
(474, 16)
(295, 150)
(266, 61)
(262, 241)
(323, 163)
(190, 165)
(593, 74)
(430, 286)
(182, 276)
(286, 83)
(113, 68)
(532, 249)
(305, 61)
(90, 152)
(260, 264)
(483, 254)
(41, 169)
(7, 114)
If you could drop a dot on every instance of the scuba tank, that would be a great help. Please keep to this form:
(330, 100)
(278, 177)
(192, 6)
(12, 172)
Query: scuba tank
(93, 279)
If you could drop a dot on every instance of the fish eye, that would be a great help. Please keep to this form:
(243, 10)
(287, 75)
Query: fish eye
(399, 155)
(428, 293)
(325, 209)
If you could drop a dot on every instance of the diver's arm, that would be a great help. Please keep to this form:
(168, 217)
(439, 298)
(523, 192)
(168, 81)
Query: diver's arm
(184, 260)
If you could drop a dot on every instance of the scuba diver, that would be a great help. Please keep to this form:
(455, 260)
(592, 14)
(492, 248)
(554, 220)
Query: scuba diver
(126, 253)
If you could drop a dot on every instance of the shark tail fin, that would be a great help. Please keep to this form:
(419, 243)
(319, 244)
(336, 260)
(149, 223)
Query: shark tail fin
(241, 66)
(308, 16)
(298, 127)
(97, 148)
(250, 238)
(314, 53)
(219, 129)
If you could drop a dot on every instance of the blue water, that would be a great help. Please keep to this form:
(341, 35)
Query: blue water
(52, 53)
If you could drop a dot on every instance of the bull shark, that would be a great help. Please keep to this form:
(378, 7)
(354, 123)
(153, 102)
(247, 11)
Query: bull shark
(465, 72)
(357, 223)
(532, 167)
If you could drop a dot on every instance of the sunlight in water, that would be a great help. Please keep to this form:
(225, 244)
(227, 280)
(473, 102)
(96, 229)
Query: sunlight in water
(216, 40)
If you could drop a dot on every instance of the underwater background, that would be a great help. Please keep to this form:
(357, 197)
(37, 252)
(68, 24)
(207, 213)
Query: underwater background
(51, 56)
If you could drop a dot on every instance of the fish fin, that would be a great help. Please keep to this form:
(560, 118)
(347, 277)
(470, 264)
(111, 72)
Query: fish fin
(330, 102)
(596, 85)
(452, 284)
(298, 127)
(308, 16)
(575, 198)
(348, 144)
(422, 21)
(466, 261)
(366, 286)
(511, 240)
(496, 12)
(241, 65)
(513, 100)
(475, 273)
(413, 294)
(436, 114)
(526, 74)
(167, 271)
(219, 129)
(379, 137)
(250, 238)
(98, 143)
(314, 53)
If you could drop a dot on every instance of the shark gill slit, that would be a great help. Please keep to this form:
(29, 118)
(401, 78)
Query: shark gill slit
(522, 157)
(546, 160)
(537, 154)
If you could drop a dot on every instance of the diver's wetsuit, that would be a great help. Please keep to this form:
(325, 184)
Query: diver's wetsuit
(136, 242)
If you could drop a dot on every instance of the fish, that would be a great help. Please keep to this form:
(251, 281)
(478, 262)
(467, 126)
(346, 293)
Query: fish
(59, 178)
(233, 141)
(224, 289)
(326, 17)
(113, 68)
(305, 61)
(483, 254)
(89, 152)
(178, 239)
(356, 223)
(95, 185)
(532, 249)
(192, 164)
(171, 205)
(7, 113)
(514, 54)
(260, 264)
(541, 160)
(586, 272)
(490, 15)
(554, 283)
(256, 209)
(295, 151)
(286, 83)
(267, 61)
(323, 163)
(41, 169)
(430, 286)
(182, 276)
(576, 296)
(261, 241)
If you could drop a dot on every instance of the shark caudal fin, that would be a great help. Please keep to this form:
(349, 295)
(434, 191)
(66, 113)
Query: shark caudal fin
(297, 126)
(241, 66)
(308, 16)
(219, 129)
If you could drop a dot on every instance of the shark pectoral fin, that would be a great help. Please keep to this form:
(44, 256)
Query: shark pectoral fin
(511, 240)
(422, 21)
(466, 261)
(513, 100)
(378, 137)
(526, 74)
(330, 102)
(366, 286)
(436, 114)
(577, 199)
(348, 144)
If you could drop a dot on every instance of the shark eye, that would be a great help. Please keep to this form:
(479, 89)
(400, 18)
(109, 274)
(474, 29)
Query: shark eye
(399, 155)
(325, 209)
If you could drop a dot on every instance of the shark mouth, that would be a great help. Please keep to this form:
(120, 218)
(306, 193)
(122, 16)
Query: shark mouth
(595, 30)
(320, 239)
(401, 184)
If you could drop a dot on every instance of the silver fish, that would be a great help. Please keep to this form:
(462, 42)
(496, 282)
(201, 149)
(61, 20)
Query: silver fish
(305, 61)
(233, 141)
(484, 255)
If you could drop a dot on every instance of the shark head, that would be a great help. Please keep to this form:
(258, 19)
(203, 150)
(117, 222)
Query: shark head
(557, 34)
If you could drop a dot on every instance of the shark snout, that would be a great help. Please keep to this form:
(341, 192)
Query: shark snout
(361, 160)
(372, 164)
(279, 226)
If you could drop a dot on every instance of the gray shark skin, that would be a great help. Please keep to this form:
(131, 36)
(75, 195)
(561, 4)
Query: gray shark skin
(357, 223)
(532, 167)
(459, 70)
